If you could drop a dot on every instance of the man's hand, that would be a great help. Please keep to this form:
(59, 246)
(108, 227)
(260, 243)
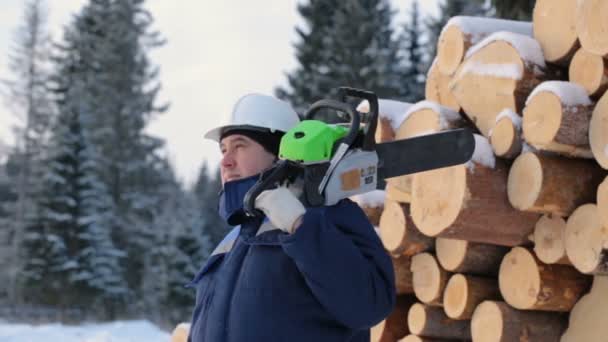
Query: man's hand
(281, 207)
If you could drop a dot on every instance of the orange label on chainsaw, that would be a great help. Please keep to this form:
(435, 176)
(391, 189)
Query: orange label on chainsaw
(351, 180)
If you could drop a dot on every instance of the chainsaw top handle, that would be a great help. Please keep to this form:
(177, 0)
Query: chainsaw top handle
(355, 120)
(369, 140)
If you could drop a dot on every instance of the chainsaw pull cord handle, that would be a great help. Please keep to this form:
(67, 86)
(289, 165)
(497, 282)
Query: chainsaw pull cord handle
(369, 137)
(347, 141)
(268, 180)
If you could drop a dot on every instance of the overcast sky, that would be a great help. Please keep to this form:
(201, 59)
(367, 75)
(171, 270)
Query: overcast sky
(217, 51)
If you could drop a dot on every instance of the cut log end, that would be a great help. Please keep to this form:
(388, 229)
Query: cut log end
(542, 118)
(589, 71)
(506, 139)
(554, 28)
(416, 318)
(549, 244)
(450, 49)
(450, 253)
(602, 202)
(518, 271)
(487, 324)
(525, 181)
(590, 26)
(429, 279)
(392, 226)
(598, 131)
(586, 241)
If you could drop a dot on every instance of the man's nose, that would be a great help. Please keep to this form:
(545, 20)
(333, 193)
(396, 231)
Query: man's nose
(228, 160)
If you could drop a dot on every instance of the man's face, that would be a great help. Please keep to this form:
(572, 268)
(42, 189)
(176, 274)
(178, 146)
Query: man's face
(242, 157)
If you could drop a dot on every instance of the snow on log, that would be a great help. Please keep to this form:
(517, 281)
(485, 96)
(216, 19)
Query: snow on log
(428, 321)
(464, 292)
(498, 322)
(499, 73)
(556, 118)
(398, 232)
(506, 137)
(587, 241)
(589, 317)
(460, 256)
(590, 71)
(390, 115)
(598, 131)
(469, 202)
(551, 185)
(462, 32)
(528, 284)
(555, 29)
(549, 242)
(429, 279)
(591, 26)
(437, 88)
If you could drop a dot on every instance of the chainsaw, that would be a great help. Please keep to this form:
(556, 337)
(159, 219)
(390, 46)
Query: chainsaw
(335, 161)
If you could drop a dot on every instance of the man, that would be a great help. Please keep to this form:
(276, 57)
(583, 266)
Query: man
(298, 274)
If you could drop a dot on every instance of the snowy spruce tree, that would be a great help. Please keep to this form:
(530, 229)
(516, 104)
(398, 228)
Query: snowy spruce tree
(413, 59)
(514, 9)
(206, 192)
(346, 43)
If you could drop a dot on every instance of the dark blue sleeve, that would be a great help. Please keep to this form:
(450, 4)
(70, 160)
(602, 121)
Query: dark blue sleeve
(344, 263)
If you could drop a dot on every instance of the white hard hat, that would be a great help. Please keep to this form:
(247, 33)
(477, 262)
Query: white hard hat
(258, 112)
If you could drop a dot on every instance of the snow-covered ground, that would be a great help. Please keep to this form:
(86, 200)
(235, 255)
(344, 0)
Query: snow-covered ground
(120, 331)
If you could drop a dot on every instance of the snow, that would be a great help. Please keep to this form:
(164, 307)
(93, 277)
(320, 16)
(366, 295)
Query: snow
(528, 48)
(507, 70)
(120, 331)
(479, 27)
(371, 199)
(570, 94)
(483, 153)
(445, 114)
(514, 117)
(392, 110)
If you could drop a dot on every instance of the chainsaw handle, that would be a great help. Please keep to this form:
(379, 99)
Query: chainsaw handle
(355, 120)
(267, 181)
(369, 137)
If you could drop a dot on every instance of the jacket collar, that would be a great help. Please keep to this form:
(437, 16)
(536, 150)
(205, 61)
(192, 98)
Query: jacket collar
(231, 199)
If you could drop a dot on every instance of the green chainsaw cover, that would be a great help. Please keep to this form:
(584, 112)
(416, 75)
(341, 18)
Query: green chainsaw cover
(311, 141)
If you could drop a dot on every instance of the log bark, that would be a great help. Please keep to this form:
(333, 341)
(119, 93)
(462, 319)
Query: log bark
(498, 322)
(437, 88)
(398, 232)
(587, 241)
(590, 71)
(528, 284)
(549, 242)
(555, 29)
(497, 75)
(550, 184)
(423, 118)
(428, 321)
(464, 292)
(429, 279)
(588, 317)
(590, 26)
(460, 256)
(602, 202)
(469, 203)
(404, 279)
(598, 131)
(394, 327)
(506, 136)
(556, 118)
(462, 32)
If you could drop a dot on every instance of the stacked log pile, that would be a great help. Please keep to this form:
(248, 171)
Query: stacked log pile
(513, 245)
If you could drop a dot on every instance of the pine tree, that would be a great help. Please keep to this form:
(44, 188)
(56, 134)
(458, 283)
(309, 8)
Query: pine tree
(412, 85)
(348, 43)
(206, 191)
(516, 10)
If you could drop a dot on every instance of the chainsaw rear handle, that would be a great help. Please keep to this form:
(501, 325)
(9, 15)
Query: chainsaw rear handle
(369, 139)
(268, 180)
(355, 120)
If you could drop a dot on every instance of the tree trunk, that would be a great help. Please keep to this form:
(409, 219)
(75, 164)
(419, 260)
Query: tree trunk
(506, 137)
(464, 292)
(598, 131)
(590, 71)
(552, 185)
(588, 317)
(498, 322)
(497, 76)
(398, 232)
(460, 256)
(555, 29)
(556, 118)
(437, 88)
(528, 284)
(460, 33)
(587, 241)
(590, 26)
(428, 321)
(429, 279)
(549, 244)
(469, 203)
